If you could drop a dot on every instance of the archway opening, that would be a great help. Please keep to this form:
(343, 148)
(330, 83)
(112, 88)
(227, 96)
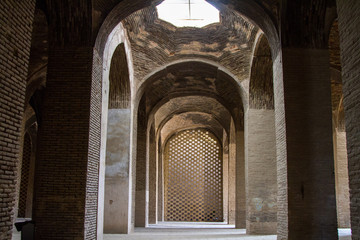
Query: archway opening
(118, 145)
(261, 165)
(183, 96)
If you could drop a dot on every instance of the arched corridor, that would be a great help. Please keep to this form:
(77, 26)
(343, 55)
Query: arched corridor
(117, 123)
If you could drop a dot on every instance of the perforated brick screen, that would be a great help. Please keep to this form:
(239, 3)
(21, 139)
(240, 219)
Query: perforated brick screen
(193, 177)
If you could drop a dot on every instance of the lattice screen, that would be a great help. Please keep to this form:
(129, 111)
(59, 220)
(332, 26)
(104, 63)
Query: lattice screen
(193, 177)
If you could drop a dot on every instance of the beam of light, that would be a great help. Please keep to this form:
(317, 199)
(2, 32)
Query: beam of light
(188, 13)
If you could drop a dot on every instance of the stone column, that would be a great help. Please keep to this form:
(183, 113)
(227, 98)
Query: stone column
(304, 131)
(261, 180)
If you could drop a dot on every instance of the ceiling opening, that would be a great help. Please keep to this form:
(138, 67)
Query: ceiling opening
(188, 13)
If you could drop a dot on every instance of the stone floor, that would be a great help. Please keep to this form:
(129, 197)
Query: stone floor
(192, 232)
(200, 234)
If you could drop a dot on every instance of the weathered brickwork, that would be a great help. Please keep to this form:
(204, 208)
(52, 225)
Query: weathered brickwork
(261, 182)
(261, 91)
(15, 39)
(66, 168)
(349, 21)
(156, 43)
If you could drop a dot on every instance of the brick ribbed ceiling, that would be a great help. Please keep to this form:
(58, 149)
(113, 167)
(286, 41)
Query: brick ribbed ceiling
(155, 42)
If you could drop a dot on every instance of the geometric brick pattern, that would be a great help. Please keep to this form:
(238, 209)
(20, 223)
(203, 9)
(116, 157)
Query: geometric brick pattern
(193, 177)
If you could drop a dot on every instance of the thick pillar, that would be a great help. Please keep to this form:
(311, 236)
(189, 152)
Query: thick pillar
(15, 40)
(261, 181)
(117, 171)
(308, 183)
(67, 159)
(349, 21)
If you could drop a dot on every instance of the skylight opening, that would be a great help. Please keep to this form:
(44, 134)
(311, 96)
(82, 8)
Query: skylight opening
(188, 13)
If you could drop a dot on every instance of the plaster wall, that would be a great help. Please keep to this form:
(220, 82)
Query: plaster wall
(342, 179)
(261, 177)
(117, 171)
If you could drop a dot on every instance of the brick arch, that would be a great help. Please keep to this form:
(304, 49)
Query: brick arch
(224, 85)
(119, 81)
(261, 90)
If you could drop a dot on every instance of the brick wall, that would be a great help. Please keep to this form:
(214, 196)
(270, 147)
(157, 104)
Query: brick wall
(349, 21)
(15, 39)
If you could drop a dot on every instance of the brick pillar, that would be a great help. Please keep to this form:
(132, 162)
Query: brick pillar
(141, 166)
(261, 181)
(65, 203)
(238, 135)
(152, 179)
(16, 18)
(225, 172)
(232, 175)
(349, 21)
(308, 183)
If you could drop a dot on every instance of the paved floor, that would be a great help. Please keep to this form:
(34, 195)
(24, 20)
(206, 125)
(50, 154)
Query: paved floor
(201, 233)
